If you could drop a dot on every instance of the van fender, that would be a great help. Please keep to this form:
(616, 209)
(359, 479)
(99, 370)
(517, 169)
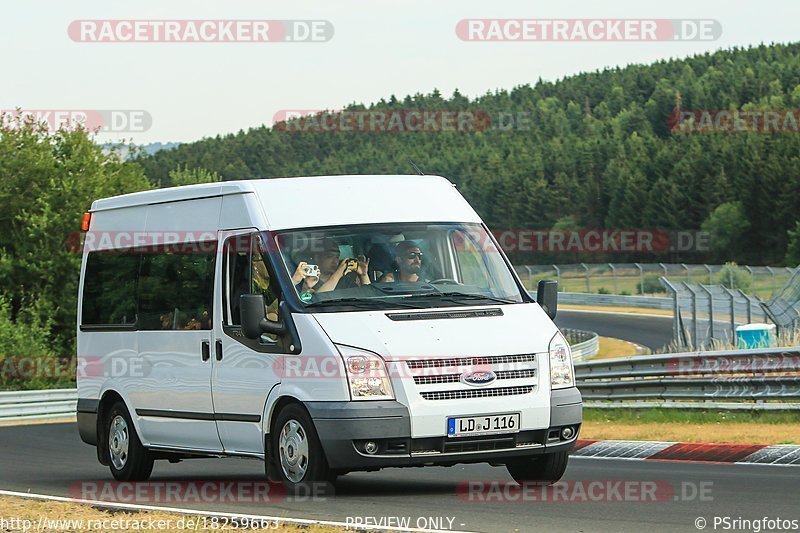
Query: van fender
(112, 385)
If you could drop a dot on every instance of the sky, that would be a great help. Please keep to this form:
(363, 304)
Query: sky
(184, 91)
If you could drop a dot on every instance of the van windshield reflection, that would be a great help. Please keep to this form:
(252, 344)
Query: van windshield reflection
(397, 265)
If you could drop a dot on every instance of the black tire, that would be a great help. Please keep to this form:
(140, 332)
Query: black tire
(544, 469)
(137, 463)
(301, 468)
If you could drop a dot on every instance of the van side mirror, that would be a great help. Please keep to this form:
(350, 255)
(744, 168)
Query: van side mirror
(254, 317)
(547, 297)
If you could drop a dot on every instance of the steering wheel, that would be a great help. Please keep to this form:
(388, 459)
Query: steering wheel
(445, 281)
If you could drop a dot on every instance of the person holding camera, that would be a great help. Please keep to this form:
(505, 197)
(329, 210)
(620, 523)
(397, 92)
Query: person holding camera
(331, 272)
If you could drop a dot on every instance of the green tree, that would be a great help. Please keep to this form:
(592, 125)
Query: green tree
(186, 176)
(725, 225)
(48, 180)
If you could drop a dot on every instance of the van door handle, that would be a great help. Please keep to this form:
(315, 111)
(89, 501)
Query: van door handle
(206, 350)
(219, 349)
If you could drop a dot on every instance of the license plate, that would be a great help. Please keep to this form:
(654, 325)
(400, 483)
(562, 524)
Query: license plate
(482, 425)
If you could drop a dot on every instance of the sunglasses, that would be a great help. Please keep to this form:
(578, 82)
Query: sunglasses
(412, 255)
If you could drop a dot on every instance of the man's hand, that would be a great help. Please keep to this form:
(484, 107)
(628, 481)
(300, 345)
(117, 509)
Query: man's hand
(363, 266)
(299, 273)
(363, 270)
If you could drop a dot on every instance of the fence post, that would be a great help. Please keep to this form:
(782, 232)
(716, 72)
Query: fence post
(752, 280)
(641, 278)
(710, 311)
(676, 311)
(733, 313)
(614, 272)
(710, 279)
(588, 284)
(530, 277)
(695, 330)
(688, 274)
(662, 265)
(749, 305)
(558, 274)
(772, 285)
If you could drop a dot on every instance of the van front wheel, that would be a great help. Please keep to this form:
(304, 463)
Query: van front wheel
(298, 453)
(545, 469)
(127, 458)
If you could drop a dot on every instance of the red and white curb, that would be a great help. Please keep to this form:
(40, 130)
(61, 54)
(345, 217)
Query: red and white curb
(780, 454)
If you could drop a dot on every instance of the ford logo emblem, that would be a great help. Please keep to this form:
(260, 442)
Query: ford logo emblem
(478, 378)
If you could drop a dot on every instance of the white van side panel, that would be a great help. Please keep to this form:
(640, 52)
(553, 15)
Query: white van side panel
(176, 377)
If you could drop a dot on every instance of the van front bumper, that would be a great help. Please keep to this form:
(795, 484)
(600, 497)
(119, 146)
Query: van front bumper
(345, 428)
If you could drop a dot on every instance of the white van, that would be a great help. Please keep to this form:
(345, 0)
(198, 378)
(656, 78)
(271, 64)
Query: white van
(321, 324)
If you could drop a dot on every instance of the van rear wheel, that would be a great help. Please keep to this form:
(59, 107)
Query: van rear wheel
(127, 458)
(299, 459)
(544, 469)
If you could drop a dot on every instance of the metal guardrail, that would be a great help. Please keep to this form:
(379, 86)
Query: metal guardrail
(635, 278)
(38, 404)
(613, 300)
(731, 379)
(584, 344)
(732, 375)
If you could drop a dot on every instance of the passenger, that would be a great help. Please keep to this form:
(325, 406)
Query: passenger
(408, 257)
(333, 273)
(261, 284)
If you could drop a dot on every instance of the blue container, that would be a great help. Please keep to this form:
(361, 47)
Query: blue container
(752, 336)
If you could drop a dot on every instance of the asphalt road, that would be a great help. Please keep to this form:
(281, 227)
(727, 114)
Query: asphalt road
(651, 331)
(50, 459)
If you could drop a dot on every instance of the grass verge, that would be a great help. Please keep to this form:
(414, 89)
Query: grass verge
(772, 427)
(611, 348)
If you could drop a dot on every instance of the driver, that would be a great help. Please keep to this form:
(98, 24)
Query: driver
(408, 257)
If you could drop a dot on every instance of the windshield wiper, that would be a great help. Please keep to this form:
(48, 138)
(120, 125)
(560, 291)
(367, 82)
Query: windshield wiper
(366, 303)
(454, 296)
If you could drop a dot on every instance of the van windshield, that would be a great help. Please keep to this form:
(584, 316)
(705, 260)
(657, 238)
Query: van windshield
(397, 265)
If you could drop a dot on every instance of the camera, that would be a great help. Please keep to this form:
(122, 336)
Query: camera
(352, 265)
(311, 271)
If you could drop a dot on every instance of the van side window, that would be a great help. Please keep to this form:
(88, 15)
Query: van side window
(236, 277)
(247, 272)
(176, 289)
(109, 288)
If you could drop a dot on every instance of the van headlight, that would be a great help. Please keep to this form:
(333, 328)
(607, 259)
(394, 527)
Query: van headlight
(366, 374)
(562, 374)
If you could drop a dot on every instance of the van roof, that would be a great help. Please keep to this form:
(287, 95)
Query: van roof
(207, 190)
(325, 200)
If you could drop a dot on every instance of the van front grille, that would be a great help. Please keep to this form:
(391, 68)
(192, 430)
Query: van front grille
(470, 361)
(476, 393)
(454, 378)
